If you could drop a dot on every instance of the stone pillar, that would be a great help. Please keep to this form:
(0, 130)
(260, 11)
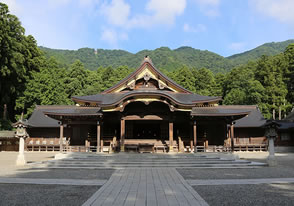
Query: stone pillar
(98, 136)
(271, 160)
(21, 158)
(232, 136)
(195, 135)
(171, 135)
(122, 135)
(61, 138)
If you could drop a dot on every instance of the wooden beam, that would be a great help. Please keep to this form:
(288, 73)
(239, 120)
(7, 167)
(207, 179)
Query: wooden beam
(98, 136)
(61, 137)
(122, 135)
(195, 135)
(171, 136)
(145, 117)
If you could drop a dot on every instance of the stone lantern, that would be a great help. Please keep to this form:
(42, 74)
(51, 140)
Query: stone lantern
(21, 134)
(271, 128)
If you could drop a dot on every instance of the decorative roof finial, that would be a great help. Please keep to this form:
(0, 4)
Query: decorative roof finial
(147, 59)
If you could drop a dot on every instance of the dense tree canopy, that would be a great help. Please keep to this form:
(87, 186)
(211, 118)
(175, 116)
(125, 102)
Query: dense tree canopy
(19, 56)
(28, 78)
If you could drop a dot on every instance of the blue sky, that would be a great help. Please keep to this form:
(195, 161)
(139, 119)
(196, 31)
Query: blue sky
(225, 27)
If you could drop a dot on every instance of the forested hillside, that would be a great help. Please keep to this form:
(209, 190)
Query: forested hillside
(28, 78)
(164, 58)
(269, 49)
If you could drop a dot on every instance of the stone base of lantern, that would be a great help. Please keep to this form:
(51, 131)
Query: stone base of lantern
(20, 161)
(271, 160)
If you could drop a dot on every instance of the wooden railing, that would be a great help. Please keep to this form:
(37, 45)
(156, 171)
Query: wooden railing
(80, 148)
(43, 144)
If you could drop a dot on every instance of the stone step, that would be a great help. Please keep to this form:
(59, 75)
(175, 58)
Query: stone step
(146, 163)
(239, 163)
(231, 166)
(116, 161)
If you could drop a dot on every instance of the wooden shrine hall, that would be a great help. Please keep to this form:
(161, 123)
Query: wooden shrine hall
(145, 112)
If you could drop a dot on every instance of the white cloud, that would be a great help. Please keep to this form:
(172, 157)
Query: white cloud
(208, 2)
(157, 12)
(13, 7)
(209, 7)
(279, 9)
(192, 29)
(237, 46)
(57, 3)
(165, 11)
(117, 12)
(112, 37)
(88, 3)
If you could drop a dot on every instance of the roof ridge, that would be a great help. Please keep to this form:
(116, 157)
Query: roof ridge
(146, 60)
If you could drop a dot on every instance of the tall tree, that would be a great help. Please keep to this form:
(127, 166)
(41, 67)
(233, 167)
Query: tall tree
(184, 77)
(19, 56)
(289, 55)
(204, 81)
(270, 73)
(241, 87)
(76, 79)
(46, 87)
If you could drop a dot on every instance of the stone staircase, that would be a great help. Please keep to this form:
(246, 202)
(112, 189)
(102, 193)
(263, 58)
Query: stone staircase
(126, 160)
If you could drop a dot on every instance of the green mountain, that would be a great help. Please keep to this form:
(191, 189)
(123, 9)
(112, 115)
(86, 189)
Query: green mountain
(163, 57)
(269, 49)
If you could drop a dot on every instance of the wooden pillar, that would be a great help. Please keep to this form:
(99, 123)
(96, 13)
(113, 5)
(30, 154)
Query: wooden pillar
(171, 135)
(61, 137)
(229, 136)
(98, 136)
(122, 135)
(232, 136)
(195, 135)
(101, 144)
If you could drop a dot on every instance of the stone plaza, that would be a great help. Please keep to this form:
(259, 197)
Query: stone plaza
(146, 179)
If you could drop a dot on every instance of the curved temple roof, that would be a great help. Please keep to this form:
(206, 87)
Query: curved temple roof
(131, 87)
(251, 115)
(116, 98)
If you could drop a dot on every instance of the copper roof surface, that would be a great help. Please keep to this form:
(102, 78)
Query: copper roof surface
(76, 111)
(252, 115)
(40, 119)
(115, 98)
(218, 111)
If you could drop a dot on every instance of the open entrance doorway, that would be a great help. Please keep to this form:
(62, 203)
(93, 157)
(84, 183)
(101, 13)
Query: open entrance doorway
(146, 136)
(146, 129)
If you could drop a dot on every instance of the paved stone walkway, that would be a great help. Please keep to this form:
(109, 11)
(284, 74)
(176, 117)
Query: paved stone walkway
(39, 181)
(241, 181)
(155, 186)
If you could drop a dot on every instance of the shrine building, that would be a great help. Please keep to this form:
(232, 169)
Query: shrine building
(144, 112)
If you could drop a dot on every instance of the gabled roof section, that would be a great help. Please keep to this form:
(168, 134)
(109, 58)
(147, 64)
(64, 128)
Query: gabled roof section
(147, 68)
(254, 119)
(290, 117)
(221, 111)
(39, 119)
